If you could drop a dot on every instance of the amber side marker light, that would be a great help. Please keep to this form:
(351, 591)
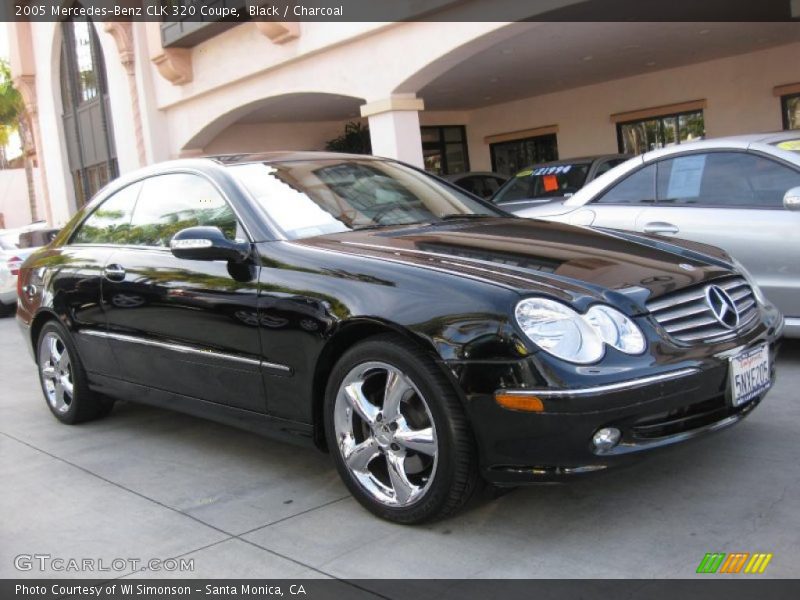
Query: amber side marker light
(519, 402)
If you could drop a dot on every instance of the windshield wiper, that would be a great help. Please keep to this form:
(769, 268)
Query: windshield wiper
(385, 225)
(451, 216)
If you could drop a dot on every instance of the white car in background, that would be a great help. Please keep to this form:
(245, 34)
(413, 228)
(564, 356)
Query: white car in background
(739, 193)
(12, 255)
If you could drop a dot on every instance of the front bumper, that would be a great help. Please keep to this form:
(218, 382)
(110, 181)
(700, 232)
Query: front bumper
(681, 396)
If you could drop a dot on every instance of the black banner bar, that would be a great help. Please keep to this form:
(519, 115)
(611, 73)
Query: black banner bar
(236, 11)
(711, 588)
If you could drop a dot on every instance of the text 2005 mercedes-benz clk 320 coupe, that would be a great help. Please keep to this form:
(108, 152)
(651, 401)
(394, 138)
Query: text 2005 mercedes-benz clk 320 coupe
(424, 338)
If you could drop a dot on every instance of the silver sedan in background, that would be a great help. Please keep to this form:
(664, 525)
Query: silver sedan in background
(739, 193)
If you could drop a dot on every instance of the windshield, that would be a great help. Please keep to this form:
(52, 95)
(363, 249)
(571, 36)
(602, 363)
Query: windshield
(309, 198)
(544, 182)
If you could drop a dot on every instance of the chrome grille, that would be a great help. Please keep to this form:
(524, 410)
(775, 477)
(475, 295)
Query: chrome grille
(687, 317)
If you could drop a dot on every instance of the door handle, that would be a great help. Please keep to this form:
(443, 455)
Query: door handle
(660, 227)
(114, 273)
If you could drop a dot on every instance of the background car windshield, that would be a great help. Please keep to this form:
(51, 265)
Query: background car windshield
(308, 198)
(544, 182)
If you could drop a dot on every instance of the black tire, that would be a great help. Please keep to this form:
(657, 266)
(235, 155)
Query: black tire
(456, 474)
(83, 404)
(7, 310)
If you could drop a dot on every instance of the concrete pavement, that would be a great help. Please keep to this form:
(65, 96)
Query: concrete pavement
(149, 483)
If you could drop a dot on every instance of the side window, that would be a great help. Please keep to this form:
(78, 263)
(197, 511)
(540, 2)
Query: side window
(491, 185)
(110, 222)
(725, 179)
(169, 203)
(518, 188)
(640, 187)
(480, 185)
(608, 165)
(468, 183)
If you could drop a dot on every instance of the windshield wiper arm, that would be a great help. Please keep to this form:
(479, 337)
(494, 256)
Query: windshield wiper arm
(451, 216)
(385, 225)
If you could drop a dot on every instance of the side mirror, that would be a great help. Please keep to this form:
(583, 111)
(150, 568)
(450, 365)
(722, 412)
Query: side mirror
(791, 200)
(207, 243)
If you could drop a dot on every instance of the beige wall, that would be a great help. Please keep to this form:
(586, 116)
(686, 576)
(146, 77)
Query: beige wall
(14, 197)
(342, 60)
(738, 91)
(264, 137)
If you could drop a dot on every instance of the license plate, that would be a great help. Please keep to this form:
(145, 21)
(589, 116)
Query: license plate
(749, 375)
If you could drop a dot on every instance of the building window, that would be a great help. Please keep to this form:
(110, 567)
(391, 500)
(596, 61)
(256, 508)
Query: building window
(445, 149)
(790, 106)
(86, 115)
(636, 137)
(512, 156)
(85, 61)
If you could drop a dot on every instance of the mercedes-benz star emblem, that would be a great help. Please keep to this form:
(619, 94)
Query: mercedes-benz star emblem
(723, 306)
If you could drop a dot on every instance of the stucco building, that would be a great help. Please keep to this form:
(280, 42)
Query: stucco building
(110, 97)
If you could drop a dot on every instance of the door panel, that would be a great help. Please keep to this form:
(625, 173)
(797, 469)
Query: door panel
(80, 276)
(620, 205)
(615, 217)
(182, 326)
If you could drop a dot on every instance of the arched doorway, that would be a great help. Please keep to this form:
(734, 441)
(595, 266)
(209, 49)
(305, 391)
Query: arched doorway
(86, 115)
(293, 121)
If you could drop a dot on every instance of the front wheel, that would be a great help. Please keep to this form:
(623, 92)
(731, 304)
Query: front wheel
(63, 379)
(398, 432)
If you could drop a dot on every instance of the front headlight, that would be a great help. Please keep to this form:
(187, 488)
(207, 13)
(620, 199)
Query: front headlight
(748, 277)
(559, 330)
(615, 329)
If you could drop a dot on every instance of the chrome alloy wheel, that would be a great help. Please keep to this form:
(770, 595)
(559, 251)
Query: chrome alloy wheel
(386, 434)
(56, 372)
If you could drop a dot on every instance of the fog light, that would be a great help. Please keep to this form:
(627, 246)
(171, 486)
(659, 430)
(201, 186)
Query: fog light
(606, 438)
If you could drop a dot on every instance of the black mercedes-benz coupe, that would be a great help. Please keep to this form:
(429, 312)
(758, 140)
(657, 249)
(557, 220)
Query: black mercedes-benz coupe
(426, 339)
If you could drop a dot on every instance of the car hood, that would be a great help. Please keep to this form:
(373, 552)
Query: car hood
(577, 264)
(552, 207)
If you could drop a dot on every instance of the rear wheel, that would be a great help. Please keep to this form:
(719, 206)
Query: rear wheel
(398, 432)
(63, 379)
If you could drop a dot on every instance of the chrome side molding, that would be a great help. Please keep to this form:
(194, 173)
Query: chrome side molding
(601, 389)
(132, 339)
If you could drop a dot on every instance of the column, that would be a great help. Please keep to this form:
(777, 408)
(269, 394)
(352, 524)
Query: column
(394, 128)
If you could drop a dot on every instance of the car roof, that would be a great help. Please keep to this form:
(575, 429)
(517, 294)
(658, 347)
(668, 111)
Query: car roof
(284, 156)
(773, 137)
(220, 161)
(737, 142)
(577, 159)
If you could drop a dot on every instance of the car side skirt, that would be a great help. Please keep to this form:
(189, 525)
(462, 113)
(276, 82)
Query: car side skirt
(259, 423)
